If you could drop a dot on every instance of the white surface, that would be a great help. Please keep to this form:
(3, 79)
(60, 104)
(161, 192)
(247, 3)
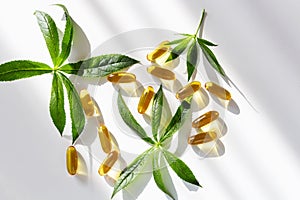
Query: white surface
(258, 47)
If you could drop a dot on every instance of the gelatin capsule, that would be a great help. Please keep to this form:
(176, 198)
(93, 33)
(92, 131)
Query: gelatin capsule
(218, 90)
(105, 138)
(121, 77)
(87, 103)
(201, 138)
(107, 164)
(72, 160)
(161, 73)
(158, 51)
(145, 99)
(188, 90)
(205, 119)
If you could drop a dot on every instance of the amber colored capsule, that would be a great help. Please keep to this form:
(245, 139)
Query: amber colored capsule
(87, 103)
(72, 160)
(158, 51)
(201, 138)
(121, 77)
(161, 73)
(145, 99)
(105, 138)
(107, 164)
(188, 90)
(218, 90)
(205, 119)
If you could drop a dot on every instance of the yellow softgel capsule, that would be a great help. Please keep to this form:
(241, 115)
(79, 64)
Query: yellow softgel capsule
(121, 77)
(188, 90)
(161, 73)
(107, 164)
(87, 103)
(72, 160)
(105, 138)
(218, 90)
(145, 99)
(202, 137)
(159, 51)
(205, 119)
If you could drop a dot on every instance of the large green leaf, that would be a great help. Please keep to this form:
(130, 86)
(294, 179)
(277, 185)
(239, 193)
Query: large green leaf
(76, 110)
(180, 168)
(131, 121)
(157, 112)
(206, 42)
(192, 57)
(50, 33)
(179, 49)
(57, 108)
(19, 69)
(100, 65)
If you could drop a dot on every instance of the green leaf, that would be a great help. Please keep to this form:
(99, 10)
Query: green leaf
(131, 172)
(179, 49)
(158, 176)
(206, 42)
(209, 55)
(192, 57)
(180, 168)
(19, 69)
(99, 66)
(157, 112)
(175, 41)
(76, 110)
(57, 109)
(50, 33)
(186, 35)
(131, 121)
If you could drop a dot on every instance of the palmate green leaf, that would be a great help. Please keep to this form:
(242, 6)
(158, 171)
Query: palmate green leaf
(131, 172)
(50, 33)
(76, 110)
(157, 112)
(131, 121)
(19, 69)
(192, 57)
(57, 108)
(180, 168)
(99, 66)
(179, 49)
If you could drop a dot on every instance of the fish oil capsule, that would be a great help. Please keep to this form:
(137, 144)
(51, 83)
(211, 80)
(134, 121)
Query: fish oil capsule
(72, 160)
(145, 99)
(188, 90)
(205, 119)
(158, 51)
(105, 138)
(218, 90)
(121, 77)
(87, 103)
(161, 73)
(201, 138)
(107, 164)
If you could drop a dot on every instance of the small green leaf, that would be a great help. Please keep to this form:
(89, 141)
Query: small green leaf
(76, 110)
(192, 57)
(99, 66)
(180, 168)
(19, 69)
(131, 121)
(157, 112)
(186, 35)
(206, 42)
(175, 41)
(57, 109)
(50, 33)
(131, 172)
(179, 49)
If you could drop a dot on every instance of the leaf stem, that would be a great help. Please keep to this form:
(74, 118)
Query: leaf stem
(201, 22)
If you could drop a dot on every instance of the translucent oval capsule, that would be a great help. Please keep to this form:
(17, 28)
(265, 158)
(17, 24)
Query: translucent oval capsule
(87, 103)
(107, 164)
(202, 137)
(145, 99)
(121, 77)
(72, 160)
(158, 51)
(161, 73)
(205, 119)
(105, 138)
(218, 90)
(188, 90)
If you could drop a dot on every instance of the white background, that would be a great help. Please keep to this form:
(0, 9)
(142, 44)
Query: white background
(258, 47)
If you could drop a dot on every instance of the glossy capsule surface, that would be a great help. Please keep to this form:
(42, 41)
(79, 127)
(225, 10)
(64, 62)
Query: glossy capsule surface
(158, 51)
(145, 99)
(105, 138)
(205, 119)
(72, 160)
(161, 73)
(188, 90)
(201, 138)
(218, 90)
(87, 103)
(107, 164)
(121, 77)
